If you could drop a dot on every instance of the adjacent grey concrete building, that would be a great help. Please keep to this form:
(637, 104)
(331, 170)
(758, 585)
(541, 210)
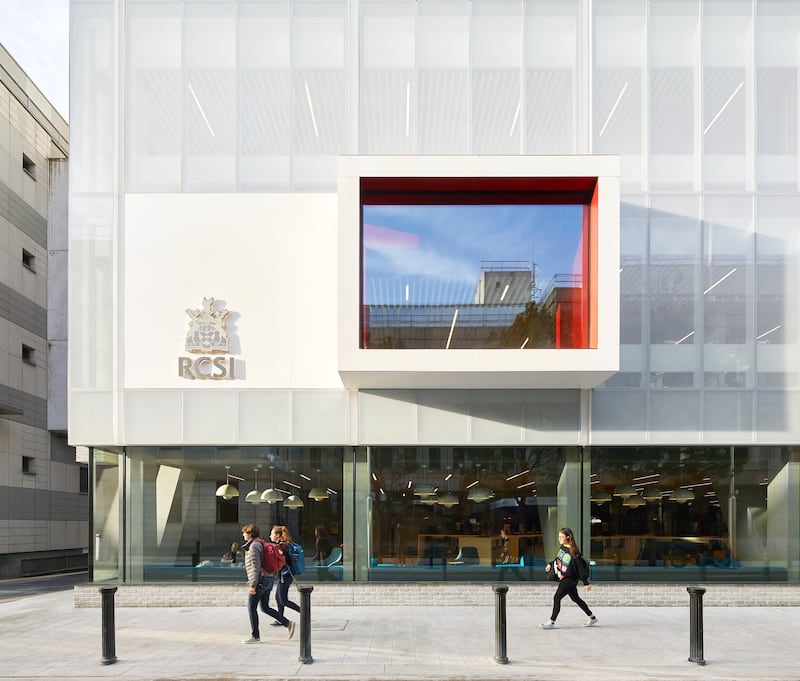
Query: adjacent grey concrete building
(43, 502)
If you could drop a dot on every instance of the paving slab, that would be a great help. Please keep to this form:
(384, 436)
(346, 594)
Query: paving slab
(45, 636)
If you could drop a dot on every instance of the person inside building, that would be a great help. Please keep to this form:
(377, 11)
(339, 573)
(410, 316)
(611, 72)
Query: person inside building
(325, 543)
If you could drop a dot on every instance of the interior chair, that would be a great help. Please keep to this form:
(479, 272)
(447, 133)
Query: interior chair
(468, 555)
(334, 558)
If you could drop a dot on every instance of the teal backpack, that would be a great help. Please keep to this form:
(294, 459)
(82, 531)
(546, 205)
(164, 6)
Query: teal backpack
(295, 558)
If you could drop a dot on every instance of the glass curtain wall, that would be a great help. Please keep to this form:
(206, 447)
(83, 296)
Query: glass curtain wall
(470, 513)
(179, 511)
(672, 514)
(107, 512)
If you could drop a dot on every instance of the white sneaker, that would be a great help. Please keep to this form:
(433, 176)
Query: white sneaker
(590, 622)
(252, 640)
(548, 625)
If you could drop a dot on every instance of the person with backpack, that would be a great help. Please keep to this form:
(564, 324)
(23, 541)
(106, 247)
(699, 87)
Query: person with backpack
(280, 535)
(570, 568)
(263, 566)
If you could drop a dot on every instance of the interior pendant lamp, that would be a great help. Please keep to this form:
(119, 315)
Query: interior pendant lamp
(271, 495)
(651, 494)
(228, 491)
(682, 495)
(601, 497)
(318, 493)
(479, 494)
(424, 491)
(293, 501)
(624, 490)
(254, 497)
(634, 501)
(448, 499)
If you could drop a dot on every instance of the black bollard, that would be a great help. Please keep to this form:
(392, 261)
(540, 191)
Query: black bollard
(305, 623)
(696, 624)
(107, 595)
(500, 655)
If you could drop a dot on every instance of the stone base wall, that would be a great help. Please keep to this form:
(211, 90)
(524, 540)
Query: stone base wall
(535, 594)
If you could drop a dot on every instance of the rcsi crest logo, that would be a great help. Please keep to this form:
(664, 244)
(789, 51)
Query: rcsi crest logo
(207, 335)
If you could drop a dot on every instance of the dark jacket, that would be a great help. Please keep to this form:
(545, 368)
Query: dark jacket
(568, 567)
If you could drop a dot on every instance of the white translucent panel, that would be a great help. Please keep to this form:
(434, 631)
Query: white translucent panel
(727, 270)
(210, 35)
(673, 271)
(443, 112)
(91, 286)
(727, 412)
(778, 415)
(633, 255)
(551, 77)
(210, 95)
(617, 105)
(92, 76)
(443, 417)
(727, 121)
(496, 44)
(443, 35)
(551, 111)
(618, 417)
(209, 416)
(265, 125)
(387, 416)
(387, 112)
(778, 34)
(264, 36)
(388, 97)
(387, 36)
(320, 92)
(675, 415)
(154, 102)
(319, 35)
(496, 34)
(320, 416)
(253, 427)
(673, 40)
(153, 416)
(496, 106)
(777, 283)
(551, 411)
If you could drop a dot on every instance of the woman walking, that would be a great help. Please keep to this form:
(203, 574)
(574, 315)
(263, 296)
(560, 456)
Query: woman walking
(280, 535)
(570, 569)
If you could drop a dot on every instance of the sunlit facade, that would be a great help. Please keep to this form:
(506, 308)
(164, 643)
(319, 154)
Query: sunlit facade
(438, 269)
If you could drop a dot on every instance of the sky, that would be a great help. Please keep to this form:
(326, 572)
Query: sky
(36, 34)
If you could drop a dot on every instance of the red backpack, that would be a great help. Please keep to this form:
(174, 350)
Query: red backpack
(274, 560)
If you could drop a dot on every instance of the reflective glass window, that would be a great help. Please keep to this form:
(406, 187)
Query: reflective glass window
(475, 263)
(469, 513)
(187, 506)
(678, 514)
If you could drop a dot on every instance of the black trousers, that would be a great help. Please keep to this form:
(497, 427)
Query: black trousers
(568, 587)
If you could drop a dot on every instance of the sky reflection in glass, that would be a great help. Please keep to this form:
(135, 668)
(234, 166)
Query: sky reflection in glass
(433, 254)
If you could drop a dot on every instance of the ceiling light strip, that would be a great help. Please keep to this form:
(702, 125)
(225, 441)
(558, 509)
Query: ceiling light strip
(724, 106)
(452, 326)
(202, 112)
(311, 110)
(719, 281)
(613, 109)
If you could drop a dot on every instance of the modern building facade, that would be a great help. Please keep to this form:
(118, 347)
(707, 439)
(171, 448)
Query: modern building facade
(43, 491)
(415, 273)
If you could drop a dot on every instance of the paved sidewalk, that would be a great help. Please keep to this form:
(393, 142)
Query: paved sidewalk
(46, 637)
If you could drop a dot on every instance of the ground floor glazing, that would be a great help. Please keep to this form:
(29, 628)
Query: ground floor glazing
(441, 513)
